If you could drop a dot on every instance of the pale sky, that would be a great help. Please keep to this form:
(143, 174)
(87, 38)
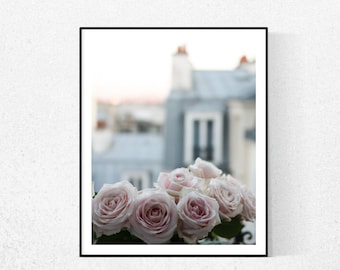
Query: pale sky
(128, 63)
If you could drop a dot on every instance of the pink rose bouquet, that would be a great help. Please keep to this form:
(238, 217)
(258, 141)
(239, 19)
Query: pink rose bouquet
(187, 205)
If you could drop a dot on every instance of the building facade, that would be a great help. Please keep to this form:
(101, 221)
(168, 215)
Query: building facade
(208, 114)
(198, 113)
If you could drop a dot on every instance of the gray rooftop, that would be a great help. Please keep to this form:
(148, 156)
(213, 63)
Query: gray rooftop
(208, 105)
(134, 147)
(207, 84)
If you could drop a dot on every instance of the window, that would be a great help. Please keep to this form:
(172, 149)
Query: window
(203, 136)
(139, 179)
(203, 149)
(196, 146)
(210, 148)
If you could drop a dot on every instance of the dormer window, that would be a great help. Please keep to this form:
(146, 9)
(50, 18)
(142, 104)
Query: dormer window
(203, 136)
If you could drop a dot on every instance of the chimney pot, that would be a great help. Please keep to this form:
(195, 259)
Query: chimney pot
(243, 59)
(181, 50)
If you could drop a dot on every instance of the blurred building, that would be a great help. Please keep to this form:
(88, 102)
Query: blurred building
(130, 116)
(208, 115)
(127, 143)
(134, 157)
(139, 118)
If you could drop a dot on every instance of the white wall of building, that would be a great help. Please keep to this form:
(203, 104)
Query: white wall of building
(241, 151)
(181, 72)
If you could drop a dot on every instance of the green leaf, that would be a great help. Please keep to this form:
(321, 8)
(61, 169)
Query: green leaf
(228, 229)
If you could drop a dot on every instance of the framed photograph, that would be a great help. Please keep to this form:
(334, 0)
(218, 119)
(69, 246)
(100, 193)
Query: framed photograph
(173, 142)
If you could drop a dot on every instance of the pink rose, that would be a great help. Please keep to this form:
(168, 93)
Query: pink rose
(249, 204)
(228, 196)
(111, 208)
(248, 199)
(154, 216)
(198, 215)
(175, 181)
(231, 180)
(204, 169)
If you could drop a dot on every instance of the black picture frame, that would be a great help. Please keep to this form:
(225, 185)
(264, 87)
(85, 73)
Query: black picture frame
(83, 250)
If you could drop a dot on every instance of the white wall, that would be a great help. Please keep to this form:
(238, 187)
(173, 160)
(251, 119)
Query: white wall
(181, 72)
(40, 164)
(241, 118)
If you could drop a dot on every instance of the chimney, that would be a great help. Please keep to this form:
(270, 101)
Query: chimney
(181, 50)
(243, 59)
(245, 64)
(181, 70)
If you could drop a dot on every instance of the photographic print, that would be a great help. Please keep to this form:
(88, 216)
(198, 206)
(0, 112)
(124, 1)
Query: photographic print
(173, 142)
